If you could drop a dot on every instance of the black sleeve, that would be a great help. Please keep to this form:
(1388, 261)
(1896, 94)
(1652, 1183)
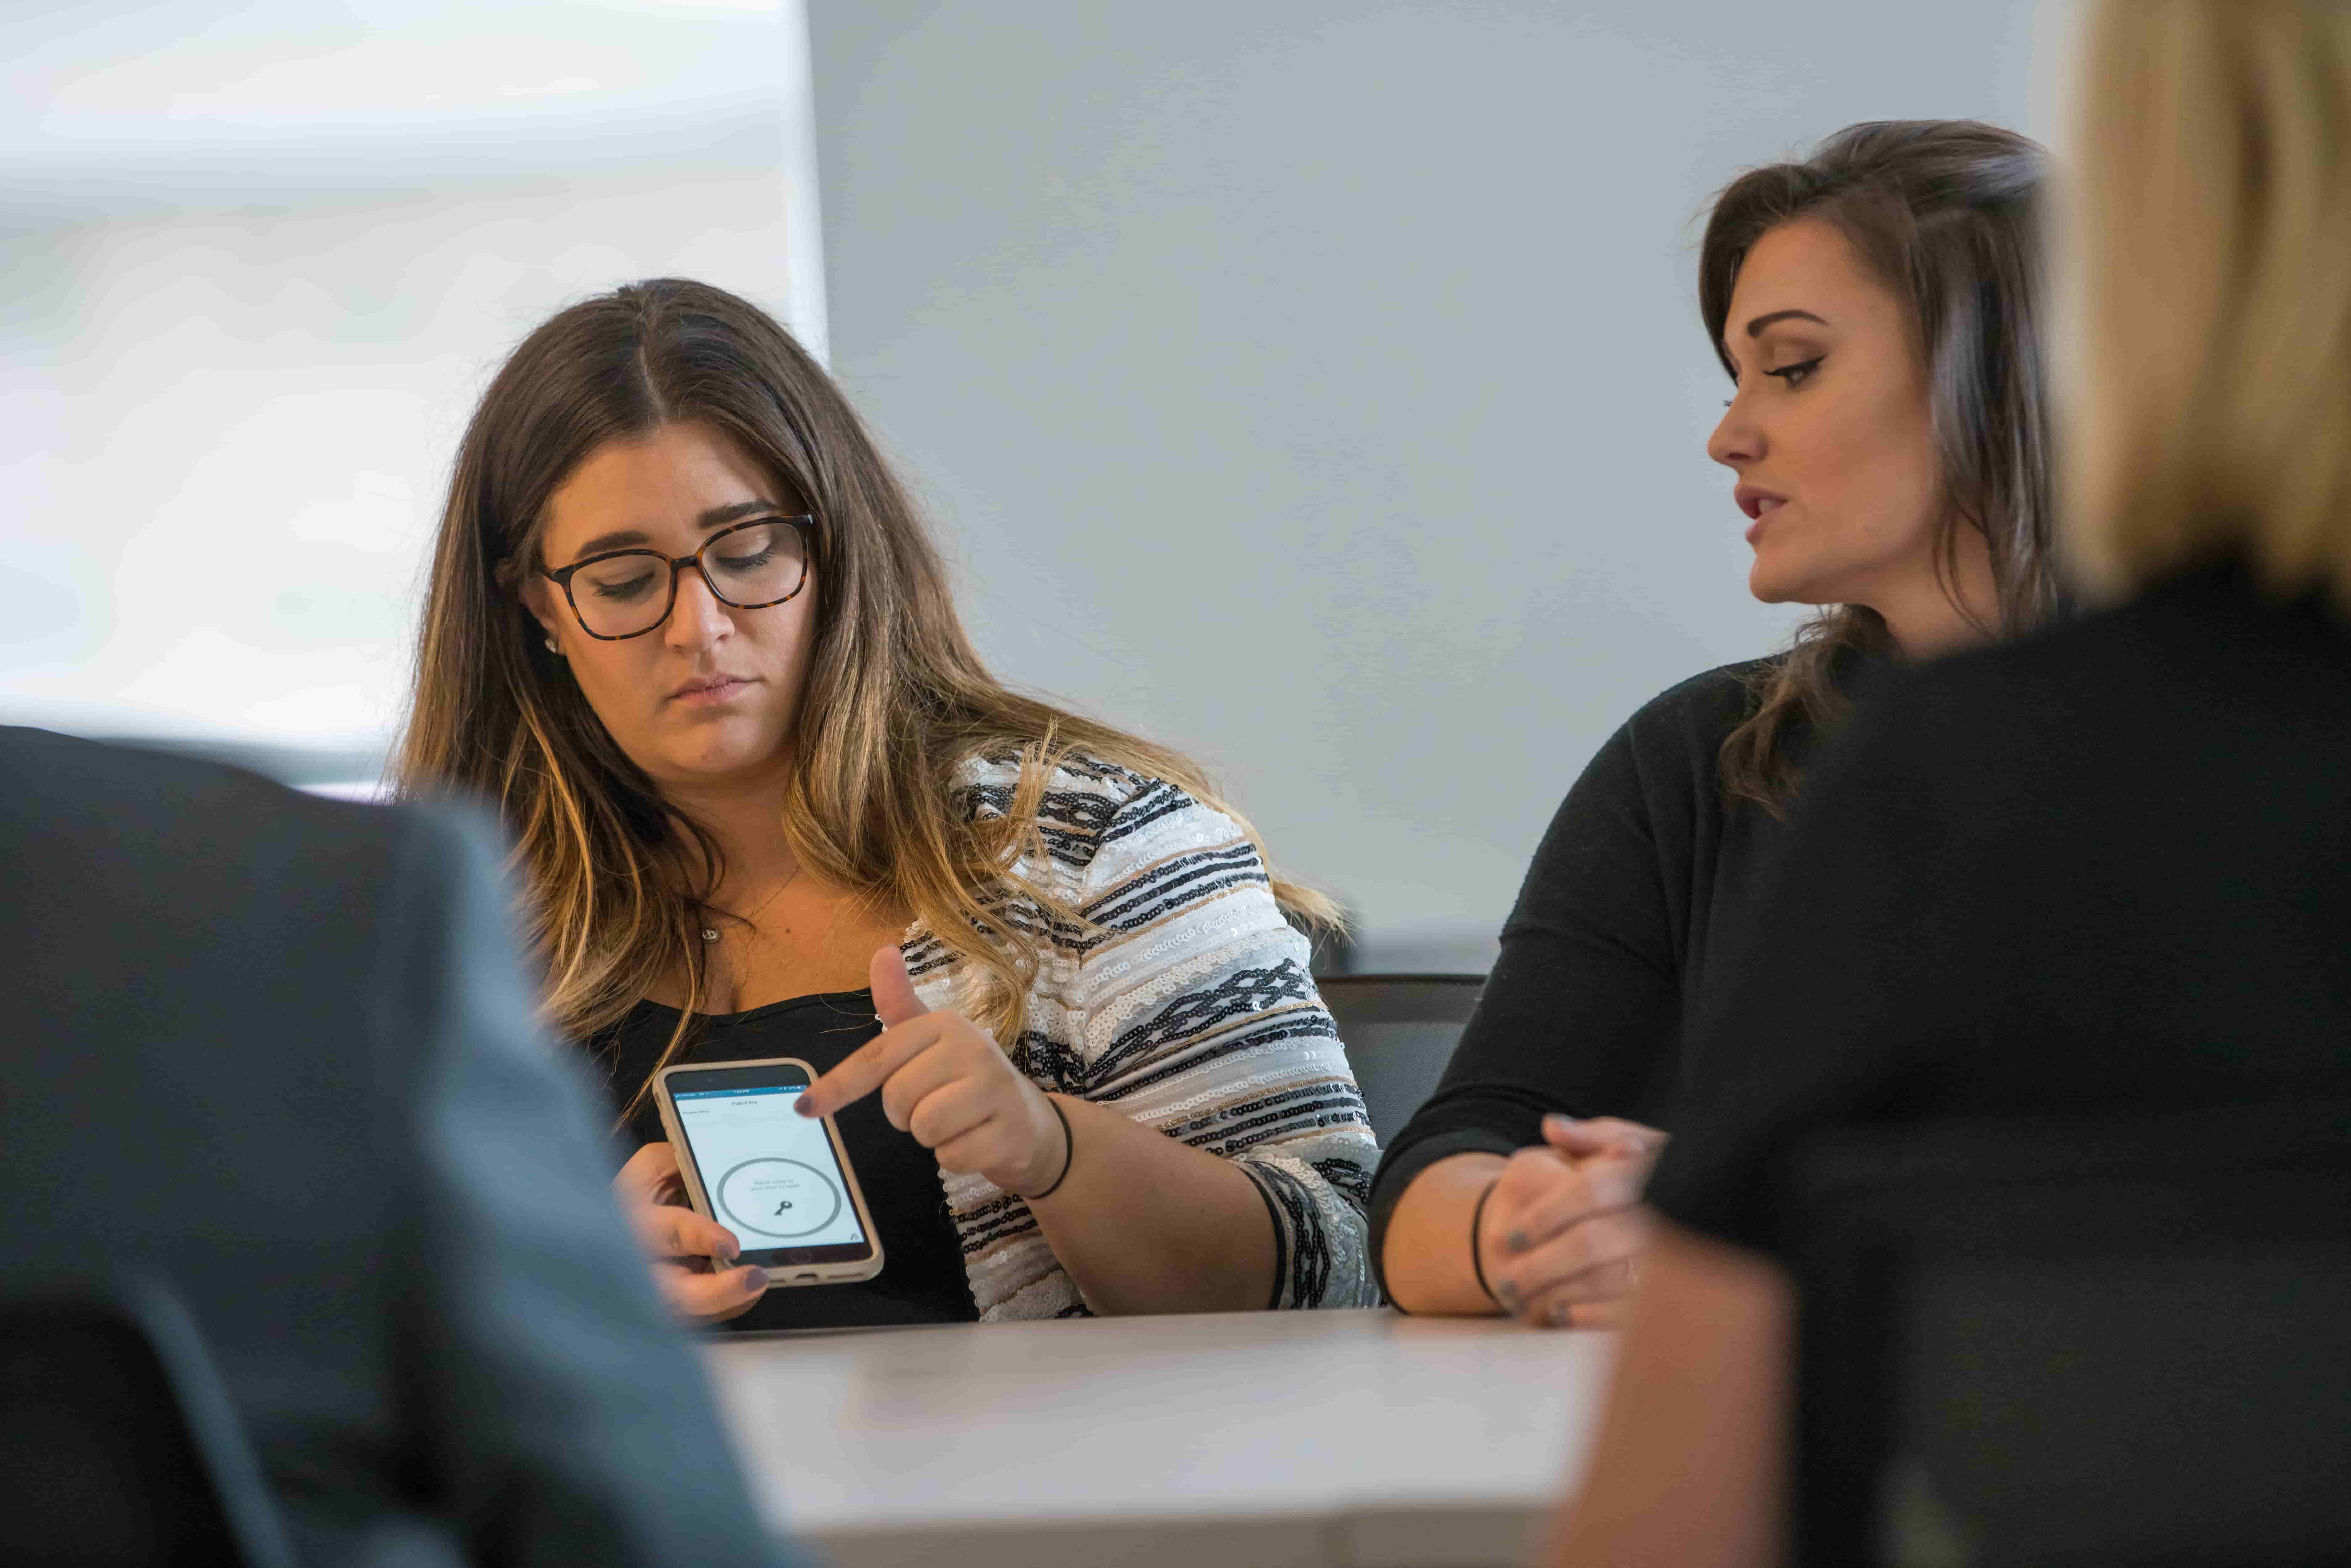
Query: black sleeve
(1868, 956)
(1583, 1009)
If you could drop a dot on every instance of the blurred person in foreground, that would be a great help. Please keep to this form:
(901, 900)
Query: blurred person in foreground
(275, 1053)
(1879, 309)
(2107, 869)
(687, 633)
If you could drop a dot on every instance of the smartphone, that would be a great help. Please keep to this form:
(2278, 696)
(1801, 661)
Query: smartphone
(780, 1181)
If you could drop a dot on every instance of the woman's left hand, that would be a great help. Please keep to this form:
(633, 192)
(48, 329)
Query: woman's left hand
(946, 1082)
(1570, 1257)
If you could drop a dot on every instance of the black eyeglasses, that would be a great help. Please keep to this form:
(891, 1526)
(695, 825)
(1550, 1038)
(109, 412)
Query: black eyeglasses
(626, 593)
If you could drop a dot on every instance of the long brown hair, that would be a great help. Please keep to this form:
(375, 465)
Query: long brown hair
(1948, 214)
(896, 700)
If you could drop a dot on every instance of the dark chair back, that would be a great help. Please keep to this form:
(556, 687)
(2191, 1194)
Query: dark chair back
(2077, 1342)
(118, 1445)
(1399, 1031)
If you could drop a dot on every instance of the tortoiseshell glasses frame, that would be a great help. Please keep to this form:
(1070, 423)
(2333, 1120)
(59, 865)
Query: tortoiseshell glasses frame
(803, 526)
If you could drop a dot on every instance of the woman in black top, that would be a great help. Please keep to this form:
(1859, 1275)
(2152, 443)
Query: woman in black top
(1877, 309)
(2107, 870)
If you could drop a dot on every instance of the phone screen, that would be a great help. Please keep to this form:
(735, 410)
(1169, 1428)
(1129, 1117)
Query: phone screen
(768, 1172)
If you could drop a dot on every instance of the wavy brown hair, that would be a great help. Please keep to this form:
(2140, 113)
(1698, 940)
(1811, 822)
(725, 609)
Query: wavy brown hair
(1948, 214)
(896, 700)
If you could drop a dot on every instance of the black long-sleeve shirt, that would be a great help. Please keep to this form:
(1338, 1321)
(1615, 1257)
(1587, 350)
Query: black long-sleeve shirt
(2106, 870)
(1610, 942)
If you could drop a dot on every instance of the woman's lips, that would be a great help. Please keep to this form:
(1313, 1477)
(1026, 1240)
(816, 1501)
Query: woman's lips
(709, 694)
(1764, 506)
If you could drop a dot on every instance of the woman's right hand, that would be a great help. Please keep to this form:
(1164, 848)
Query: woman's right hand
(1562, 1225)
(692, 1256)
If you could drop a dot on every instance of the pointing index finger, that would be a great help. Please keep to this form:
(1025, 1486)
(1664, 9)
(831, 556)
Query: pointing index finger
(894, 1000)
(869, 1067)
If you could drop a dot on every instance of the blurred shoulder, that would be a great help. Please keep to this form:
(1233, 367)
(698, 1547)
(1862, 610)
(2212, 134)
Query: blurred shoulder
(2067, 685)
(2214, 627)
(2026, 734)
(86, 810)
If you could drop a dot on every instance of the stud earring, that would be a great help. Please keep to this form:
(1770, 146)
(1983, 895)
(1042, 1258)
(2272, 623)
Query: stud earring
(551, 646)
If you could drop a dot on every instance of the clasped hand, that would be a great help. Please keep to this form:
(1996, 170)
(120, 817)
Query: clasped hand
(1562, 1224)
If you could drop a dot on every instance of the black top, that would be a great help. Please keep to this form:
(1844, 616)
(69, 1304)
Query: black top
(1613, 935)
(2105, 870)
(922, 1279)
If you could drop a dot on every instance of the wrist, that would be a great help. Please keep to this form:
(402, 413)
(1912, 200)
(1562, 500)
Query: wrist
(1057, 1147)
(1477, 1251)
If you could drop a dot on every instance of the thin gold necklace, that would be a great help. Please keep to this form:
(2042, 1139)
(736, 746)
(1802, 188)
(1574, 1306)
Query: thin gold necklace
(710, 933)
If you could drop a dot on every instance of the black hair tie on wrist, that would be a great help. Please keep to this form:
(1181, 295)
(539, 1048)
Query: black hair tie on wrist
(1477, 1263)
(1069, 1154)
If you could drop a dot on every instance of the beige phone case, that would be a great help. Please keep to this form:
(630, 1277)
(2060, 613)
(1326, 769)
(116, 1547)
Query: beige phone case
(777, 1273)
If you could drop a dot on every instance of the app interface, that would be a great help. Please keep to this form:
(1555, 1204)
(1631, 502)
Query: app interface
(769, 1171)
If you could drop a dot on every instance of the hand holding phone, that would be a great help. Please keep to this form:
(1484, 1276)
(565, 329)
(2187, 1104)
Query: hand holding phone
(777, 1182)
(695, 1258)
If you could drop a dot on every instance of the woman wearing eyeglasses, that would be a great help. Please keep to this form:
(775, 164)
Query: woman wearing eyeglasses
(686, 631)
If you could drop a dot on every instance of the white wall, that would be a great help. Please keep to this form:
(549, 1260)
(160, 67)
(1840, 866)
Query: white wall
(1318, 385)
(261, 259)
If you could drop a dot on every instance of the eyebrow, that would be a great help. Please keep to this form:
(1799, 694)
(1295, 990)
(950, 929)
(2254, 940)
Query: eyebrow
(1757, 324)
(717, 517)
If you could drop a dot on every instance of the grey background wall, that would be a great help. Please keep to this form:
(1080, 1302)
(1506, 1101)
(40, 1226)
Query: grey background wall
(1317, 386)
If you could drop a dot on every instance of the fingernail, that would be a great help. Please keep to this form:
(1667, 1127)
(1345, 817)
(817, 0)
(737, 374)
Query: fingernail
(1505, 1291)
(1558, 1119)
(755, 1277)
(804, 1105)
(725, 1250)
(1559, 1317)
(1516, 1241)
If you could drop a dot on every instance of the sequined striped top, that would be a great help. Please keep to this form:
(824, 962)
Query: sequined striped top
(1181, 997)
(1182, 1000)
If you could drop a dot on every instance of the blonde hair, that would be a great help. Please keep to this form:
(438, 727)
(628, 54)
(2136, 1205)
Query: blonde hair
(2210, 266)
(896, 700)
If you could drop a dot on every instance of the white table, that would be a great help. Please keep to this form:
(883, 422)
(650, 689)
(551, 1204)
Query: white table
(1247, 1440)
